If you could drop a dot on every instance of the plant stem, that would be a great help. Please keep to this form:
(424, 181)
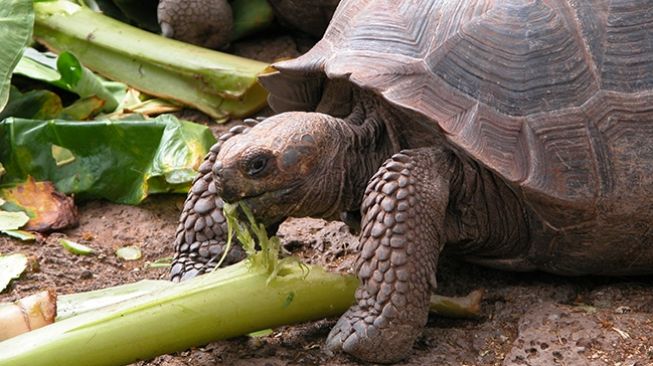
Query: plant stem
(222, 304)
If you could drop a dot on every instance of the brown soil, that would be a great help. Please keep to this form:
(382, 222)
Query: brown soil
(527, 319)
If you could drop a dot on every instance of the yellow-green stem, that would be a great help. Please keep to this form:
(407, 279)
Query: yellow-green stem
(223, 304)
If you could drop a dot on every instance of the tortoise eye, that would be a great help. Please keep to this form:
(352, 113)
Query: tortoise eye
(256, 165)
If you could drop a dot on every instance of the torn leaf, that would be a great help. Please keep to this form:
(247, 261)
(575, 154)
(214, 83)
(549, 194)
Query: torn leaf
(20, 235)
(122, 161)
(11, 267)
(12, 220)
(48, 209)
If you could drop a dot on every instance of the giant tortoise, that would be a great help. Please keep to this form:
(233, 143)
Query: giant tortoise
(516, 133)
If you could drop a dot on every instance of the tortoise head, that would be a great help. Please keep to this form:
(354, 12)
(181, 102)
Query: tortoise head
(288, 165)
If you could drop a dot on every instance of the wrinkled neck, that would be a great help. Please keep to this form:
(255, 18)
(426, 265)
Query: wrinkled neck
(367, 139)
(361, 128)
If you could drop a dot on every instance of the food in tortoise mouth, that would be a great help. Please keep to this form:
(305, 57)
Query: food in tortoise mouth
(517, 134)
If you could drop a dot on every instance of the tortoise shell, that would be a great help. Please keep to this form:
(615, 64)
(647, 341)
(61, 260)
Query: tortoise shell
(554, 96)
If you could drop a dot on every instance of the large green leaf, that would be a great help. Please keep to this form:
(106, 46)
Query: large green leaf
(16, 22)
(122, 161)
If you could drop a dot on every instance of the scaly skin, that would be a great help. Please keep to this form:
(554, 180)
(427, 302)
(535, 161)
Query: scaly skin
(299, 164)
(404, 210)
(206, 23)
(201, 236)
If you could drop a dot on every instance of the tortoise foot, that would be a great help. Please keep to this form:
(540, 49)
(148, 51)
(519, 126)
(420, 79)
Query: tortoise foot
(371, 337)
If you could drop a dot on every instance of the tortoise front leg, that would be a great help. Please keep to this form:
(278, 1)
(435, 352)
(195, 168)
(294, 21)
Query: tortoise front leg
(201, 236)
(403, 217)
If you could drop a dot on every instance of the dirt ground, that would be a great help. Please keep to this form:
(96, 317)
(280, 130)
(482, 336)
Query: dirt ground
(527, 319)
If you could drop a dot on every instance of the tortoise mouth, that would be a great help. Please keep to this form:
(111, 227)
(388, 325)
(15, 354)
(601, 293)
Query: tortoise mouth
(268, 207)
(230, 196)
(266, 196)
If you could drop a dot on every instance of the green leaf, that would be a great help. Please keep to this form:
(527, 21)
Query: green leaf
(70, 69)
(122, 161)
(68, 73)
(82, 109)
(12, 207)
(129, 253)
(36, 104)
(76, 248)
(12, 220)
(16, 23)
(11, 266)
(39, 66)
(82, 81)
(21, 235)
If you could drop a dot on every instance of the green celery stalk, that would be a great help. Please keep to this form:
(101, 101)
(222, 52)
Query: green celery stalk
(222, 304)
(74, 304)
(218, 84)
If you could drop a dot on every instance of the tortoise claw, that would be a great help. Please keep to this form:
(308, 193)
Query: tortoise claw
(250, 122)
(371, 340)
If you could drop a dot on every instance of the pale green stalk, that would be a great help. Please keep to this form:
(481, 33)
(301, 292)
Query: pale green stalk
(74, 304)
(222, 304)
